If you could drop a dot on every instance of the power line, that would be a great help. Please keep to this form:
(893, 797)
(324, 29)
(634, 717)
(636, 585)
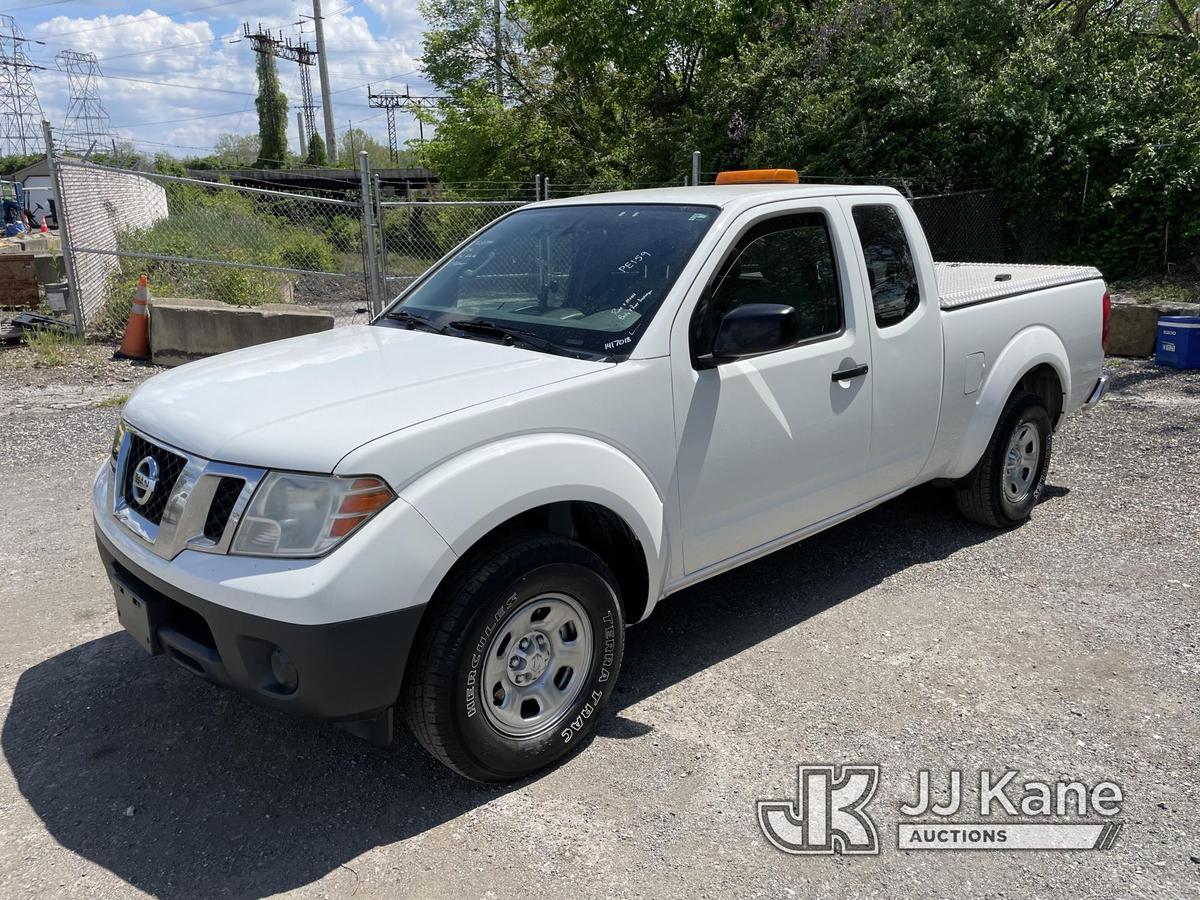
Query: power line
(232, 112)
(374, 80)
(175, 84)
(161, 49)
(36, 6)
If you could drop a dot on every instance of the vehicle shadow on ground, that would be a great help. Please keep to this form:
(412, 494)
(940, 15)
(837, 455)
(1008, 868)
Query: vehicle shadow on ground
(184, 790)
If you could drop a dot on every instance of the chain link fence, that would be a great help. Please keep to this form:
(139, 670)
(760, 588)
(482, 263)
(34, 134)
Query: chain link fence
(979, 226)
(414, 234)
(205, 240)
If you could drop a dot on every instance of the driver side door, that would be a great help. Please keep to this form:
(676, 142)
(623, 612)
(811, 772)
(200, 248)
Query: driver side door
(771, 445)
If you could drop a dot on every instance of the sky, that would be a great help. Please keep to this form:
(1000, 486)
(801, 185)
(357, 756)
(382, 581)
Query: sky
(176, 75)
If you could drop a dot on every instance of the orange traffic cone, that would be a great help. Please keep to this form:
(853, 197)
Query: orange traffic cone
(44, 229)
(136, 344)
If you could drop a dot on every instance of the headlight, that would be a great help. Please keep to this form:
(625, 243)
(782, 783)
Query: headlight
(118, 436)
(307, 515)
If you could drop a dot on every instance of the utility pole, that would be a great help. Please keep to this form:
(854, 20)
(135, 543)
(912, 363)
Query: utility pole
(498, 50)
(20, 112)
(300, 130)
(323, 71)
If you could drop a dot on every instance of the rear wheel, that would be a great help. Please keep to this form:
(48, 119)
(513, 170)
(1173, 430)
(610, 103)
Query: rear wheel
(522, 654)
(1007, 482)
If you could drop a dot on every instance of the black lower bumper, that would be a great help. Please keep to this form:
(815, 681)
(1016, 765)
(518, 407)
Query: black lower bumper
(349, 672)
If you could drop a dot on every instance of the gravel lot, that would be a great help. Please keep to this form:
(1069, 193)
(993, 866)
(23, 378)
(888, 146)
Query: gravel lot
(907, 638)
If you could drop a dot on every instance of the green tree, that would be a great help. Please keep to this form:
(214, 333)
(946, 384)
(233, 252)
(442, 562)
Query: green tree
(234, 150)
(354, 140)
(1034, 99)
(272, 107)
(11, 164)
(316, 151)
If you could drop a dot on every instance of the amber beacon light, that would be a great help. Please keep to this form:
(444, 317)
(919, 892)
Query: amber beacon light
(759, 176)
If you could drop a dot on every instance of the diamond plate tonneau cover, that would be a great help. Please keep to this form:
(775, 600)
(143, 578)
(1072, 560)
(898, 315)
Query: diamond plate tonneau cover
(965, 284)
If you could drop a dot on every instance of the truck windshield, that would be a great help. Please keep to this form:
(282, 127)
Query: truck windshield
(580, 280)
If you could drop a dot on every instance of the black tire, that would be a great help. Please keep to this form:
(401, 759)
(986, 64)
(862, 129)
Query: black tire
(444, 692)
(982, 496)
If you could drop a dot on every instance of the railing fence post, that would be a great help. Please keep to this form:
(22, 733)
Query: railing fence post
(368, 228)
(74, 301)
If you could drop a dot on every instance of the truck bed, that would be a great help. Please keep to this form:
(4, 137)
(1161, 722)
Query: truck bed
(965, 284)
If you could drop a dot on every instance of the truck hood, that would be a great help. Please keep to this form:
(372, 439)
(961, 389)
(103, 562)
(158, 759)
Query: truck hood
(305, 402)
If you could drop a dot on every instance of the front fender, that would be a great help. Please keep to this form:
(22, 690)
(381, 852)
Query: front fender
(1028, 349)
(466, 497)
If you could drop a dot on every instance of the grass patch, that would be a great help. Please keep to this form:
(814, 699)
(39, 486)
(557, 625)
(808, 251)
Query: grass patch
(110, 402)
(50, 348)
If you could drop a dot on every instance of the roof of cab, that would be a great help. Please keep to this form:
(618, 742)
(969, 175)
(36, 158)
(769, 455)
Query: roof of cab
(726, 195)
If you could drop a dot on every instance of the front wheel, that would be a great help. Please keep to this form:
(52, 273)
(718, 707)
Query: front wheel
(1007, 482)
(523, 653)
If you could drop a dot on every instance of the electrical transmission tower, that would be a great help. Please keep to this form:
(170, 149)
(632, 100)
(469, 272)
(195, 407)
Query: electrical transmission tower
(86, 124)
(20, 112)
(389, 101)
(298, 52)
(305, 57)
(392, 101)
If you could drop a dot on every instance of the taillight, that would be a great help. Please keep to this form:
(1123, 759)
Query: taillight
(1107, 318)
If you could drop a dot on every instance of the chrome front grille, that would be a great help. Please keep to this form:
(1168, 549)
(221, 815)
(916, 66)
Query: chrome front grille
(195, 504)
(169, 467)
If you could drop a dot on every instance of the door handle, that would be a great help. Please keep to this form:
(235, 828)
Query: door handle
(847, 374)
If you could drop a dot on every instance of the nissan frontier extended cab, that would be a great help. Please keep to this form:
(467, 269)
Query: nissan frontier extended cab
(454, 512)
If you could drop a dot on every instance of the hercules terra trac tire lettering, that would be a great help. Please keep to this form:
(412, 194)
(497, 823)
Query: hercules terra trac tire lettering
(1007, 482)
(520, 654)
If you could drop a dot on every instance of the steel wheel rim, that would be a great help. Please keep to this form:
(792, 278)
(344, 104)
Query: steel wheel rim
(1021, 462)
(536, 665)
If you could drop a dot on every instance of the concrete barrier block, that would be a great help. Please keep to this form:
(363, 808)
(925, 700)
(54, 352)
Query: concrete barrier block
(49, 267)
(182, 329)
(1133, 329)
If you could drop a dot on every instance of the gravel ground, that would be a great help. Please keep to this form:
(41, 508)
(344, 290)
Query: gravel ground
(907, 638)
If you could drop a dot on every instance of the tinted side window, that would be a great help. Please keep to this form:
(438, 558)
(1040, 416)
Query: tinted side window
(894, 288)
(787, 260)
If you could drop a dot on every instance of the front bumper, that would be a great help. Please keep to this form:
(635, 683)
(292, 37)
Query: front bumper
(348, 671)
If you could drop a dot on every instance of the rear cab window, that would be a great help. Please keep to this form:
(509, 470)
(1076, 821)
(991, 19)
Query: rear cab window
(895, 292)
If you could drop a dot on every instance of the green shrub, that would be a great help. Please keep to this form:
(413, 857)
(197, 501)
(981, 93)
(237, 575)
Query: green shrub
(306, 251)
(244, 287)
(343, 232)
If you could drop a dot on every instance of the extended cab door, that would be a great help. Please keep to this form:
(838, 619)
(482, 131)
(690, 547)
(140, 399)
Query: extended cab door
(774, 443)
(892, 259)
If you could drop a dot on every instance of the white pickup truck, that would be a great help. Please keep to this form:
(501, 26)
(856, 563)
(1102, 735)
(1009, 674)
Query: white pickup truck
(455, 511)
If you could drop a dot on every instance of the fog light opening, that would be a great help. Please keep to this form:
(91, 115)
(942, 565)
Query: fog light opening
(284, 671)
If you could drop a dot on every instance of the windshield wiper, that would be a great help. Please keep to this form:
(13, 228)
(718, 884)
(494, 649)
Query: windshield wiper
(509, 335)
(407, 318)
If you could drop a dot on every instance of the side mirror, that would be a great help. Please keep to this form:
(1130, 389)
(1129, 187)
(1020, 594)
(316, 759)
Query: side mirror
(753, 329)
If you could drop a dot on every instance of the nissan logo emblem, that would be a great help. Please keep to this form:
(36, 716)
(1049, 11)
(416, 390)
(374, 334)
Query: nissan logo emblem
(145, 480)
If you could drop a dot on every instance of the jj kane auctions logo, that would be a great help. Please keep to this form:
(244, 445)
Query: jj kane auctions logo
(829, 814)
